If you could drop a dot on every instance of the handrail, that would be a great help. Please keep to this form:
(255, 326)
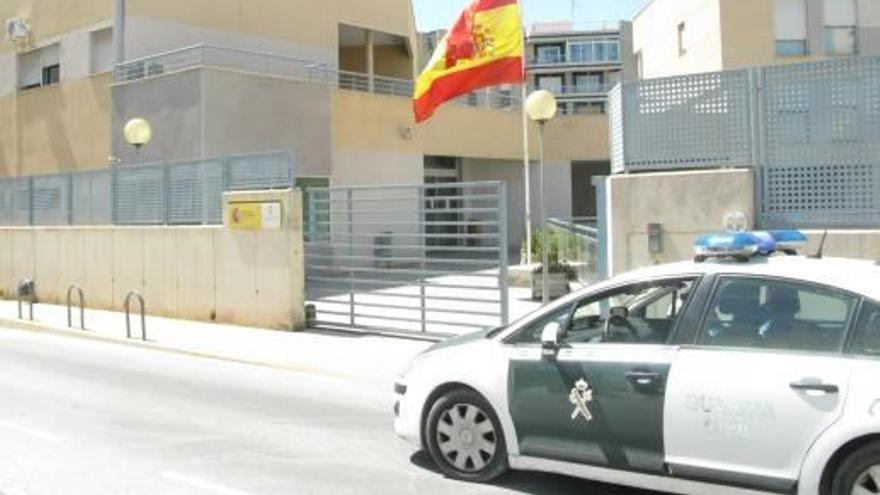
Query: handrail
(25, 282)
(82, 306)
(140, 298)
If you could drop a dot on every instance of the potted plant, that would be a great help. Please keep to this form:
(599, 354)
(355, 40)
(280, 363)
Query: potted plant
(559, 273)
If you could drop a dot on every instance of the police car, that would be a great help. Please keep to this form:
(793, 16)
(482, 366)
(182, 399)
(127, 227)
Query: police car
(749, 372)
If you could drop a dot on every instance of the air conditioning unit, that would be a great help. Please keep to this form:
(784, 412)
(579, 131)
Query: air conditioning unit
(17, 30)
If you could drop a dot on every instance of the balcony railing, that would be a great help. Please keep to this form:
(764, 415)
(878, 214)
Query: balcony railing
(308, 71)
(599, 89)
(572, 59)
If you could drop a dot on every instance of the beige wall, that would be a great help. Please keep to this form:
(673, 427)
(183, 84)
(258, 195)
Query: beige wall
(198, 273)
(655, 36)
(307, 22)
(368, 122)
(53, 18)
(686, 204)
(60, 128)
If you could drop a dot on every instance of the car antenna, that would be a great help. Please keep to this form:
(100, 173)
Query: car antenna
(819, 254)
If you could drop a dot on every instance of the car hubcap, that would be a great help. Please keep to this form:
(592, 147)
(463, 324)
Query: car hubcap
(868, 483)
(466, 437)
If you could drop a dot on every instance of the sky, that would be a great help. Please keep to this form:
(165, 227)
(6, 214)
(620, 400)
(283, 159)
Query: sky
(435, 14)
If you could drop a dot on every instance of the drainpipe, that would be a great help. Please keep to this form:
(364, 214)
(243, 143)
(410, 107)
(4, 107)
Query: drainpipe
(119, 31)
(371, 63)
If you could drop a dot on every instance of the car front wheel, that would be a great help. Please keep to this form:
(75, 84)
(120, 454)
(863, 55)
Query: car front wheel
(464, 437)
(860, 473)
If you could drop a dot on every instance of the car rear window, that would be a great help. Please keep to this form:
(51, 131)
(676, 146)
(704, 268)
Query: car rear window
(866, 339)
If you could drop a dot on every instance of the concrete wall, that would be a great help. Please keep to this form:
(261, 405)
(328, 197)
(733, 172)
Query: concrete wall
(195, 273)
(688, 204)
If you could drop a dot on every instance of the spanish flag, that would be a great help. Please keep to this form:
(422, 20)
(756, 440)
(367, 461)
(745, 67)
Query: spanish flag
(484, 48)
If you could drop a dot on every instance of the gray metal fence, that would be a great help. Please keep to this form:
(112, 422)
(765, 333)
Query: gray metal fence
(811, 130)
(179, 193)
(426, 259)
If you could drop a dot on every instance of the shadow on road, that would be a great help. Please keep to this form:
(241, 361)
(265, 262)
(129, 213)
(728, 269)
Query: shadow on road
(536, 483)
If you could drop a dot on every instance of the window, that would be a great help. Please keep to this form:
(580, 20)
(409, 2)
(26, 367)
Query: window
(588, 83)
(682, 50)
(645, 314)
(582, 52)
(840, 27)
(552, 84)
(866, 340)
(101, 43)
(39, 67)
(790, 20)
(776, 315)
(550, 54)
(589, 107)
(640, 66)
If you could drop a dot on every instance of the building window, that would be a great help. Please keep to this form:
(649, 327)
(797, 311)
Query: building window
(588, 83)
(582, 52)
(640, 65)
(840, 27)
(40, 67)
(790, 20)
(596, 51)
(552, 84)
(682, 49)
(589, 107)
(101, 45)
(550, 54)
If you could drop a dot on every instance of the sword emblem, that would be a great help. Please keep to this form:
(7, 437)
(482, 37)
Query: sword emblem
(580, 397)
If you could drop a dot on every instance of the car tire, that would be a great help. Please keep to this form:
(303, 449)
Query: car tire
(464, 437)
(859, 472)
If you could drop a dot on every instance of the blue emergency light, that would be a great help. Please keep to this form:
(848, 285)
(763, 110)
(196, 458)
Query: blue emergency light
(743, 245)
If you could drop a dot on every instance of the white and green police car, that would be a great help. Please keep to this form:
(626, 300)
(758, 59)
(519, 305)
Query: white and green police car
(698, 377)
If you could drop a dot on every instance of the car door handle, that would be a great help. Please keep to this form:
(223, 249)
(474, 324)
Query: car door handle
(815, 387)
(643, 377)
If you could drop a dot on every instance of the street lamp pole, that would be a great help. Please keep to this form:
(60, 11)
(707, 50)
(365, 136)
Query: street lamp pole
(545, 252)
(541, 108)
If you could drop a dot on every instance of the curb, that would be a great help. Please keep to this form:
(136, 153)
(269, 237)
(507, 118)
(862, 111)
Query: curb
(36, 327)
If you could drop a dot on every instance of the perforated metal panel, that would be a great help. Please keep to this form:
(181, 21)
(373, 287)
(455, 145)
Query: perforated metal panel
(821, 141)
(693, 121)
(615, 126)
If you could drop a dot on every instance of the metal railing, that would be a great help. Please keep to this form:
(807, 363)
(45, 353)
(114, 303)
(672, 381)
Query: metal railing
(82, 306)
(576, 90)
(428, 259)
(204, 55)
(176, 193)
(809, 130)
(135, 295)
(25, 285)
(308, 71)
(576, 243)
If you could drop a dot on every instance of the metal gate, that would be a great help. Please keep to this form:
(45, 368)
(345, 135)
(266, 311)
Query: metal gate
(427, 259)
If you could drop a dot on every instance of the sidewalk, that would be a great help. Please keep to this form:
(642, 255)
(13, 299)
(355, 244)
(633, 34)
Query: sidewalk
(364, 357)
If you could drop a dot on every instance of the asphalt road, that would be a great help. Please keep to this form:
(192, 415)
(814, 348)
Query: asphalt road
(93, 418)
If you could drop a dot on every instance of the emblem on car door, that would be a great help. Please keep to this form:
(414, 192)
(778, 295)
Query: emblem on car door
(580, 397)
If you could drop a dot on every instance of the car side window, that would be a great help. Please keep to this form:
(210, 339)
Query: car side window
(531, 333)
(866, 339)
(776, 315)
(642, 313)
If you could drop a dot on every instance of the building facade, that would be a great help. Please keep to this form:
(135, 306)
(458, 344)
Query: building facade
(330, 81)
(672, 37)
(578, 65)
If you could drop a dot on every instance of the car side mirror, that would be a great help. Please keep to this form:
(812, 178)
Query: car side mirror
(550, 337)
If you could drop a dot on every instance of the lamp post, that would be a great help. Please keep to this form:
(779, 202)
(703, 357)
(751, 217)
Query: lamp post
(541, 108)
(138, 133)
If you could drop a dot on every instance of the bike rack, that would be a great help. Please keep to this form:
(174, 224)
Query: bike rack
(25, 282)
(140, 299)
(82, 307)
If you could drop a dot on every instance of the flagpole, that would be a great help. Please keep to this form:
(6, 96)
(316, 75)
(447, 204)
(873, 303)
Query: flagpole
(525, 129)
